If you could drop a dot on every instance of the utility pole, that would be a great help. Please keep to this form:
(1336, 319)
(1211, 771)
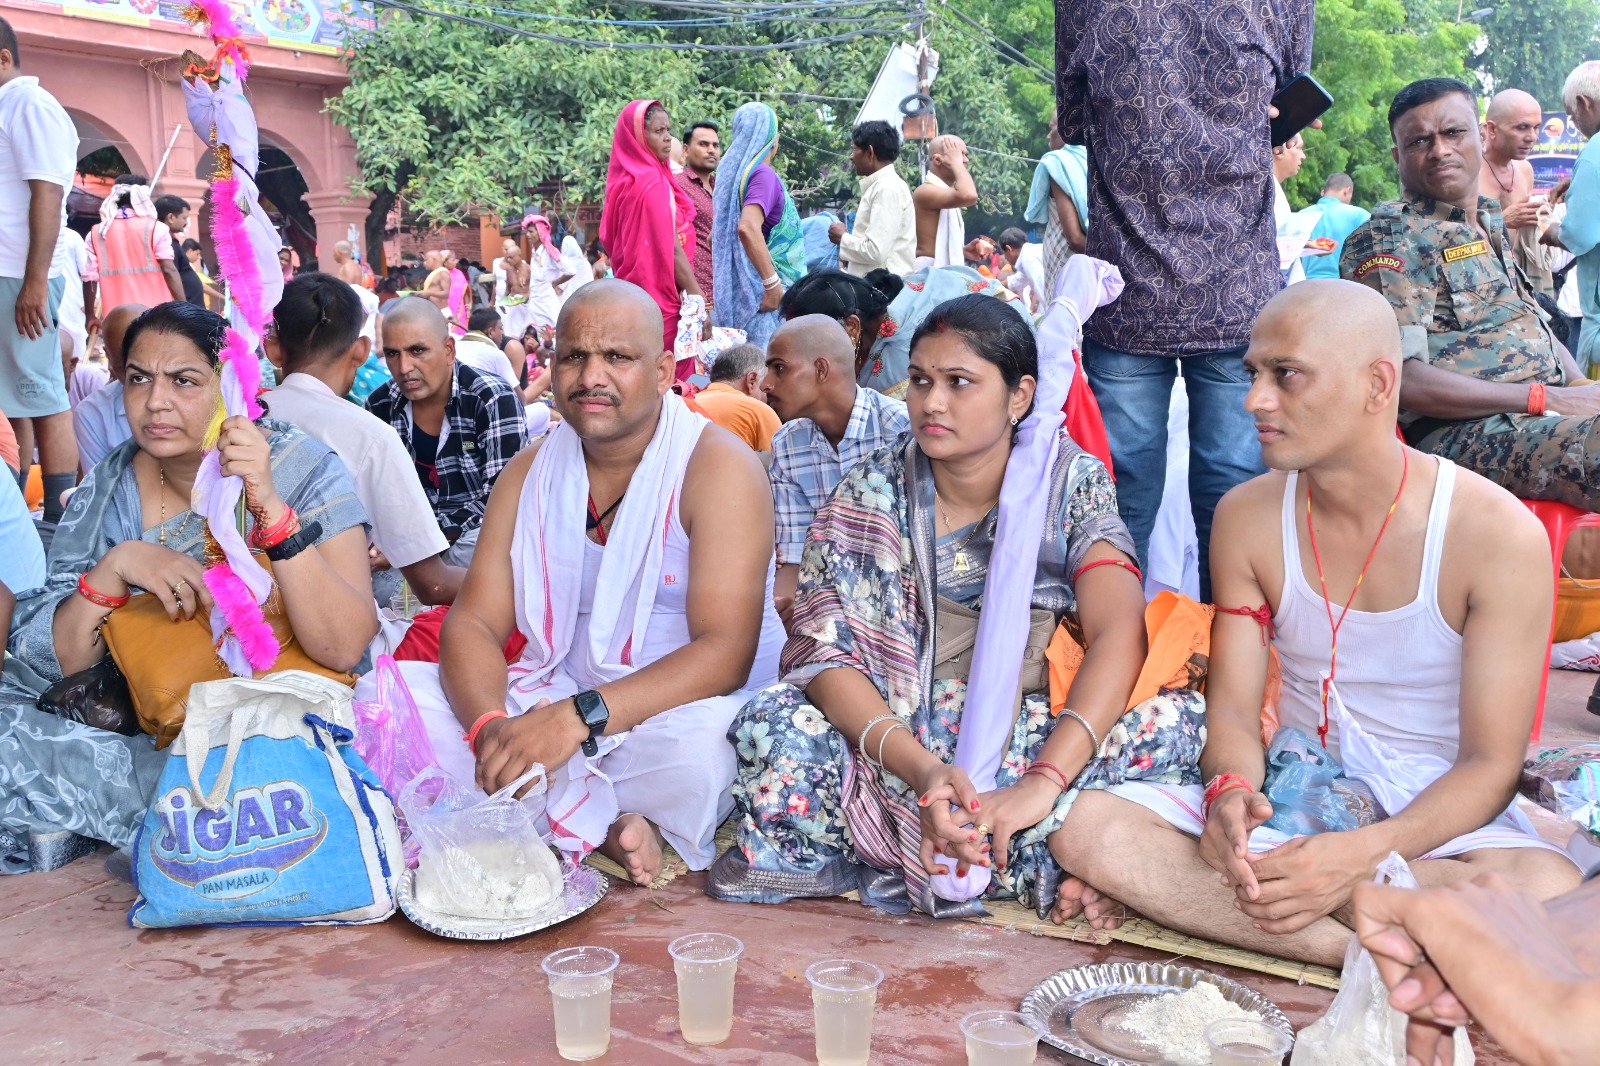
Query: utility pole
(923, 145)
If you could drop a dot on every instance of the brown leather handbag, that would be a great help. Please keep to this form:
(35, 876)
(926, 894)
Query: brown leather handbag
(957, 634)
(161, 658)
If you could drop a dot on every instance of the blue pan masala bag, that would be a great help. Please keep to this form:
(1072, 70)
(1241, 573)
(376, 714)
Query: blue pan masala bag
(265, 814)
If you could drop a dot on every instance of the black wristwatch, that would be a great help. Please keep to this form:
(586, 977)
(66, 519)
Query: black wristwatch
(289, 547)
(595, 715)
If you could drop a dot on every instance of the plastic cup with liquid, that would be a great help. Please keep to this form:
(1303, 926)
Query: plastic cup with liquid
(1000, 1038)
(580, 987)
(706, 964)
(1246, 1042)
(843, 995)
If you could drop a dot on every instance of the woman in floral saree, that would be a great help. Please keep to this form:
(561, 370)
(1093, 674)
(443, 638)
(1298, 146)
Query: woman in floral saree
(846, 777)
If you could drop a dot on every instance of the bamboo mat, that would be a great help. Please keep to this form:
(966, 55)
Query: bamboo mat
(1008, 914)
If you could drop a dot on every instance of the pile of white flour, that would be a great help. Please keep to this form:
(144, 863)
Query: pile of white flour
(1175, 1025)
(495, 880)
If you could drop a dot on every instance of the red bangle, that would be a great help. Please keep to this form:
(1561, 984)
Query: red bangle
(1086, 567)
(1536, 399)
(1043, 768)
(483, 719)
(100, 599)
(1224, 783)
(278, 532)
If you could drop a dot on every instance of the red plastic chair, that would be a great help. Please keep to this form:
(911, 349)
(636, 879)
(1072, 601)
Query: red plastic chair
(1559, 519)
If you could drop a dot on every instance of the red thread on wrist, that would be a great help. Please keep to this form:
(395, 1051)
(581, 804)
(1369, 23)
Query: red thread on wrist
(1224, 783)
(483, 719)
(1536, 399)
(1086, 567)
(1044, 769)
(100, 599)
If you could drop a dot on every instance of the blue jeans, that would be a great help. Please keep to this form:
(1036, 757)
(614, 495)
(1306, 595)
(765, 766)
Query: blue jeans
(1134, 392)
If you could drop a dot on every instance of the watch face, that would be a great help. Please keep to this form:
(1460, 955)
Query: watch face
(592, 709)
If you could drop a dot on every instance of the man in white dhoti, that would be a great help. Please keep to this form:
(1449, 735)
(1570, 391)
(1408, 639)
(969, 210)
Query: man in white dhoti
(632, 549)
(547, 273)
(1409, 604)
(511, 274)
(945, 190)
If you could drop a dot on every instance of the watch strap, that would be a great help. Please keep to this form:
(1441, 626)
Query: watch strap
(289, 547)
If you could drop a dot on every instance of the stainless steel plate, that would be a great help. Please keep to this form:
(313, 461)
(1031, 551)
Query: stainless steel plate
(584, 888)
(1079, 1010)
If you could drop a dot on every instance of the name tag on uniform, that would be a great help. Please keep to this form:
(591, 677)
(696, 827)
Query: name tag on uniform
(1377, 262)
(1466, 251)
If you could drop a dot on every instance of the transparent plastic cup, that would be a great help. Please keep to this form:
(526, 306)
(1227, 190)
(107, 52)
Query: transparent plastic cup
(1000, 1038)
(843, 995)
(1246, 1042)
(580, 987)
(706, 964)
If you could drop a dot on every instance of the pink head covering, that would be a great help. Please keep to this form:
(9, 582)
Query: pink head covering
(644, 214)
(541, 226)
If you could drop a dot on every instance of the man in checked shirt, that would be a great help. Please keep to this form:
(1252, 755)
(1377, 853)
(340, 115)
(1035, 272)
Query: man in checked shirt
(461, 427)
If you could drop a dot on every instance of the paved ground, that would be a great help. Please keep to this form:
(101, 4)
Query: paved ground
(78, 986)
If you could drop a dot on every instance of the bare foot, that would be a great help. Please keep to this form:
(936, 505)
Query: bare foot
(635, 845)
(1078, 897)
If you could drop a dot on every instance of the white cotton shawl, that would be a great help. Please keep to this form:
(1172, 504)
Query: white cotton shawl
(547, 555)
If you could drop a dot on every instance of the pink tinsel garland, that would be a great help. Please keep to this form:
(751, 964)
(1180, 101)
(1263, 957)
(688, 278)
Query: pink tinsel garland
(236, 257)
(225, 32)
(245, 619)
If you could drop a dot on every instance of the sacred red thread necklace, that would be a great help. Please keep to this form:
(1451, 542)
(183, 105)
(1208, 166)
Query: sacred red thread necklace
(1311, 532)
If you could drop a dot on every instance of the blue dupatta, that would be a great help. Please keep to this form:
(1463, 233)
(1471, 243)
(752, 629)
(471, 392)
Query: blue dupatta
(736, 283)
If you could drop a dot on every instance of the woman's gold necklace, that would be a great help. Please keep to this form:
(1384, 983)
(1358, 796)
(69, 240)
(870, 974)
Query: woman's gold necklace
(162, 536)
(962, 563)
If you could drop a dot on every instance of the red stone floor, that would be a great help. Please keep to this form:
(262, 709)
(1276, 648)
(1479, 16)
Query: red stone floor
(78, 986)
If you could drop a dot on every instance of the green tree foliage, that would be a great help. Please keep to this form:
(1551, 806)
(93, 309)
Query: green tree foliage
(466, 118)
(1364, 52)
(1535, 45)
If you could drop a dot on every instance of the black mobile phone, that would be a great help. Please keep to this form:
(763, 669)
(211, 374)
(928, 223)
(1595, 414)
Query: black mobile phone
(1299, 104)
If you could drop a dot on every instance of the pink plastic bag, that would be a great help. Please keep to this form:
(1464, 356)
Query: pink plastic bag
(392, 740)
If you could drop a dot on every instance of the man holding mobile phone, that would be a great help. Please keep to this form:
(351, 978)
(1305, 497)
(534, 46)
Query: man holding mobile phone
(1194, 235)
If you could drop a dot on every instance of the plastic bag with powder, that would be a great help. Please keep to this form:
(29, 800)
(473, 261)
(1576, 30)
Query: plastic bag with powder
(483, 857)
(1360, 1028)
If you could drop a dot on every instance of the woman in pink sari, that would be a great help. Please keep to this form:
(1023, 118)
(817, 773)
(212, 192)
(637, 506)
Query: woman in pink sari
(460, 298)
(647, 221)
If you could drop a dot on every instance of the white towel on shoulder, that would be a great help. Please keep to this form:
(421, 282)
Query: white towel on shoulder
(952, 236)
(547, 561)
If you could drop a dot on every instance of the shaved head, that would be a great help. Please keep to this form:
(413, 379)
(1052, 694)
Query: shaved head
(1326, 360)
(611, 367)
(113, 328)
(817, 337)
(342, 248)
(1509, 102)
(627, 310)
(1511, 127)
(811, 366)
(410, 311)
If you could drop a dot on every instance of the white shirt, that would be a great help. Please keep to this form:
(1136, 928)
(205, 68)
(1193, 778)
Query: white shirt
(100, 423)
(403, 526)
(37, 143)
(369, 309)
(75, 255)
(1028, 281)
(485, 358)
(885, 233)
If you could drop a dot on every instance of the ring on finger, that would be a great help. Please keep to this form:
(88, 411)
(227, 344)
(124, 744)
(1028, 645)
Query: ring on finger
(984, 830)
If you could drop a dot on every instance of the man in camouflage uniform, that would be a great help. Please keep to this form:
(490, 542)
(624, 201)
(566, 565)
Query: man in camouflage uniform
(1485, 383)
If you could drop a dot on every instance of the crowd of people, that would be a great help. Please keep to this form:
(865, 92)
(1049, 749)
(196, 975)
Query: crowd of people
(775, 593)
